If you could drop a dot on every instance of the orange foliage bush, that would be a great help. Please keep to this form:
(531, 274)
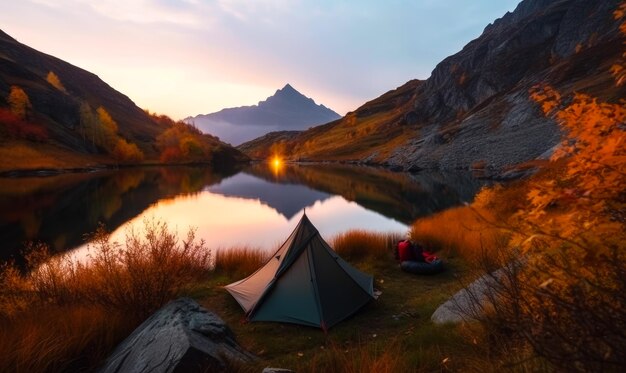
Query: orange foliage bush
(126, 152)
(19, 102)
(54, 80)
(17, 128)
(69, 314)
(182, 142)
(567, 297)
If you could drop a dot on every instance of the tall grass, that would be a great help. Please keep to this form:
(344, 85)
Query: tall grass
(377, 358)
(60, 338)
(466, 231)
(239, 262)
(357, 245)
(69, 313)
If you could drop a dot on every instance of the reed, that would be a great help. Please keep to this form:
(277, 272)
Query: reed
(239, 262)
(358, 245)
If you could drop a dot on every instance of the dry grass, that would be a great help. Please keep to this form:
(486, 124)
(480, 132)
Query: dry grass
(357, 245)
(239, 262)
(475, 230)
(382, 358)
(65, 314)
(60, 338)
(22, 155)
(462, 230)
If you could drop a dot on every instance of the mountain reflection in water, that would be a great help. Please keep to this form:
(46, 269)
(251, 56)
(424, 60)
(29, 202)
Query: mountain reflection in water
(256, 207)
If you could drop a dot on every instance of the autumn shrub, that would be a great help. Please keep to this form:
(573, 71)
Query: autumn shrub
(64, 312)
(15, 127)
(126, 152)
(468, 231)
(135, 278)
(568, 299)
(356, 245)
(182, 142)
(239, 262)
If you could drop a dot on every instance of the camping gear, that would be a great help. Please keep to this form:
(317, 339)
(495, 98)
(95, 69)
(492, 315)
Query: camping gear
(304, 282)
(414, 259)
(422, 268)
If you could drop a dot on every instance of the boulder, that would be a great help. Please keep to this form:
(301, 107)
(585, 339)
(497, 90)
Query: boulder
(277, 370)
(180, 337)
(471, 302)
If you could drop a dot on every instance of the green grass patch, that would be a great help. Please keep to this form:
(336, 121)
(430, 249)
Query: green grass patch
(393, 333)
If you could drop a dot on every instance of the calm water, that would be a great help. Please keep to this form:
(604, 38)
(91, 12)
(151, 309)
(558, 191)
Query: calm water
(256, 207)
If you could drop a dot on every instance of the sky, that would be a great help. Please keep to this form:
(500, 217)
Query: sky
(189, 57)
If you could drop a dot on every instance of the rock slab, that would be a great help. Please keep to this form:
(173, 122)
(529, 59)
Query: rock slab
(180, 337)
(471, 302)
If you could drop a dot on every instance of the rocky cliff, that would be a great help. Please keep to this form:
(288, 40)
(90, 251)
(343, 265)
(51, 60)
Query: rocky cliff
(475, 106)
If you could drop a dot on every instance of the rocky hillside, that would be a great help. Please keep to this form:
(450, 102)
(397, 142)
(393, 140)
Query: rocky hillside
(61, 125)
(475, 106)
(287, 109)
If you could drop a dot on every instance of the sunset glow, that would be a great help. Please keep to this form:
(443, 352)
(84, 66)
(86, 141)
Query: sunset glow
(230, 53)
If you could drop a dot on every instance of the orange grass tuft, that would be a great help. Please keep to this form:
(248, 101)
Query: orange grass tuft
(60, 338)
(239, 262)
(357, 244)
(465, 231)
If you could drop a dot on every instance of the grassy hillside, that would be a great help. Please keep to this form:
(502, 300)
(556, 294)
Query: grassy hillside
(56, 115)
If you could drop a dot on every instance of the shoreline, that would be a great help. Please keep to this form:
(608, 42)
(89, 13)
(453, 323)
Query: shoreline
(45, 172)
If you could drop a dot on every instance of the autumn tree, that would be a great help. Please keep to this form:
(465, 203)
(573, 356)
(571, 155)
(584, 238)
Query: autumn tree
(182, 142)
(567, 296)
(126, 152)
(88, 123)
(19, 102)
(108, 129)
(54, 80)
(102, 131)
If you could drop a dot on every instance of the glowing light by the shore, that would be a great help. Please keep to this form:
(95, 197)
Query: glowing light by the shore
(276, 162)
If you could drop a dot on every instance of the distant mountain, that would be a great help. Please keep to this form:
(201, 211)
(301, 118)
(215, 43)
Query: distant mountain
(475, 107)
(287, 109)
(53, 134)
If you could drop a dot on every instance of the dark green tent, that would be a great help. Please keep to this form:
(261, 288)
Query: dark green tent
(304, 282)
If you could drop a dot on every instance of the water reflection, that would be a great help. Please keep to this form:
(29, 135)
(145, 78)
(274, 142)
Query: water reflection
(400, 196)
(286, 199)
(257, 207)
(59, 210)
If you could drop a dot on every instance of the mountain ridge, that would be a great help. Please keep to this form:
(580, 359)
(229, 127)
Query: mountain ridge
(286, 109)
(475, 107)
(66, 108)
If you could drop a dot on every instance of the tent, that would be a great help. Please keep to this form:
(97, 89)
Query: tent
(304, 282)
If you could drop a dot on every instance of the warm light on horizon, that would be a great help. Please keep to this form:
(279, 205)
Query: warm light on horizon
(276, 164)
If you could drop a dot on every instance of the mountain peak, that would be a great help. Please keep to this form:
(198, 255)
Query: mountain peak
(288, 90)
(287, 109)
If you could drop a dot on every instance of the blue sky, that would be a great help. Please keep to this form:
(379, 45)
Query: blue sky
(186, 57)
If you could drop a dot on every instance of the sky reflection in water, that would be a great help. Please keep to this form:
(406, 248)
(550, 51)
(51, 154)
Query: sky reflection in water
(232, 221)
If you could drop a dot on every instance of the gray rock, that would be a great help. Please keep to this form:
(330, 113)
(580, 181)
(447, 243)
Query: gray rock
(277, 370)
(180, 337)
(470, 302)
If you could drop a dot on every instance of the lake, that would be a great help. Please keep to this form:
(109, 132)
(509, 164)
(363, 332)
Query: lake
(257, 206)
